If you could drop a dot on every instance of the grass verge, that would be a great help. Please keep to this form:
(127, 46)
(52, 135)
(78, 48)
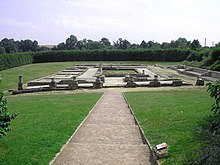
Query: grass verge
(172, 117)
(44, 124)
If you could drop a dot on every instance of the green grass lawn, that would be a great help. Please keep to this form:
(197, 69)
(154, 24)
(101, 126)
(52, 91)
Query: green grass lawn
(34, 71)
(30, 72)
(118, 72)
(172, 117)
(44, 124)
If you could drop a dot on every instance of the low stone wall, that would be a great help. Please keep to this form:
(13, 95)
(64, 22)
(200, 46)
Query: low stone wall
(198, 72)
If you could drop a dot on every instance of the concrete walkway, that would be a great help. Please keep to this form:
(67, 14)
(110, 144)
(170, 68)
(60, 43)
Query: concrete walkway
(108, 136)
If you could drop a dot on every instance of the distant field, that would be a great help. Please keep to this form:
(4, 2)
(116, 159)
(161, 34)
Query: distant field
(48, 46)
(171, 117)
(44, 124)
(34, 71)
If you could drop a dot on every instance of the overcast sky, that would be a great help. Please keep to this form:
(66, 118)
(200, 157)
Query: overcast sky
(52, 21)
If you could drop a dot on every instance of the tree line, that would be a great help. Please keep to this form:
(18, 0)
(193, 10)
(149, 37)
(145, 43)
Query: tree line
(11, 52)
(72, 43)
(12, 46)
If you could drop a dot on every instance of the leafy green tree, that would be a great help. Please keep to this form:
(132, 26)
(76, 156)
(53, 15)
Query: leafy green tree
(79, 45)
(92, 45)
(214, 92)
(195, 44)
(150, 44)
(9, 45)
(165, 45)
(156, 45)
(61, 46)
(5, 116)
(27, 45)
(2, 50)
(180, 43)
(143, 44)
(122, 44)
(135, 46)
(105, 41)
(217, 45)
(71, 42)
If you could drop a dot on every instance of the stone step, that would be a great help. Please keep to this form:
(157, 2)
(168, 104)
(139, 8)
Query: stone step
(99, 154)
(123, 119)
(108, 134)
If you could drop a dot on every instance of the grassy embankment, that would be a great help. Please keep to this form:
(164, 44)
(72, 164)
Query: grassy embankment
(172, 117)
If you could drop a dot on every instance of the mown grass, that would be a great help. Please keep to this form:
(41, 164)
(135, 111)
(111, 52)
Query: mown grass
(44, 124)
(34, 71)
(30, 72)
(118, 72)
(172, 117)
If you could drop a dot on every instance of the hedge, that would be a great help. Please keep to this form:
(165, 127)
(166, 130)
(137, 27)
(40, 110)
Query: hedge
(172, 55)
(16, 59)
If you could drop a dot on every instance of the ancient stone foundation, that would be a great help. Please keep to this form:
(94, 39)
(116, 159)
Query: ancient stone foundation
(20, 83)
(131, 83)
(98, 83)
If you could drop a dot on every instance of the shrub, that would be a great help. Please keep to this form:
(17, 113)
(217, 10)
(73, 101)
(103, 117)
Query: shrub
(5, 116)
(210, 131)
(215, 66)
(174, 55)
(194, 56)
(16, 59)
(212, 58)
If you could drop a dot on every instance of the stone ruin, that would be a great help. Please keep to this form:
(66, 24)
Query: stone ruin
(201, 74)
(92, 76)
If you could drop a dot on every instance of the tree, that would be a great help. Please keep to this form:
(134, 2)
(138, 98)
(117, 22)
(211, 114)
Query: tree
(71, 42)
(217, 45)
(2, 50)
(5, 116)
(61, 46)
(165, 45)
(105, 41)
(94, 45)
(180, 43)
(134, 46)
(143, 44)
(150, 44)
(27, 45)
(214, 92)
(122, 44)
(79, 45)
(9, 45)
(195, 44)
(156, 45)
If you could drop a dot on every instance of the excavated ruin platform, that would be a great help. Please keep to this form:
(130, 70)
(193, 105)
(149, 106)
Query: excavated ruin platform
(108, 136)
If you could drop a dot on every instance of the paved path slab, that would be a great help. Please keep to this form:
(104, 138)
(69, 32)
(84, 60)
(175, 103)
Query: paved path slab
(108, 136)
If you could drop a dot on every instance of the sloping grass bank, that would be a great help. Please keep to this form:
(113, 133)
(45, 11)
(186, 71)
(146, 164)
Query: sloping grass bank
(172, 117)
(44, 124)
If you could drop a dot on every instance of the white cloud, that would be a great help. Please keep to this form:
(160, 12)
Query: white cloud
(113, 8)
(18, 24)
(135, 20)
